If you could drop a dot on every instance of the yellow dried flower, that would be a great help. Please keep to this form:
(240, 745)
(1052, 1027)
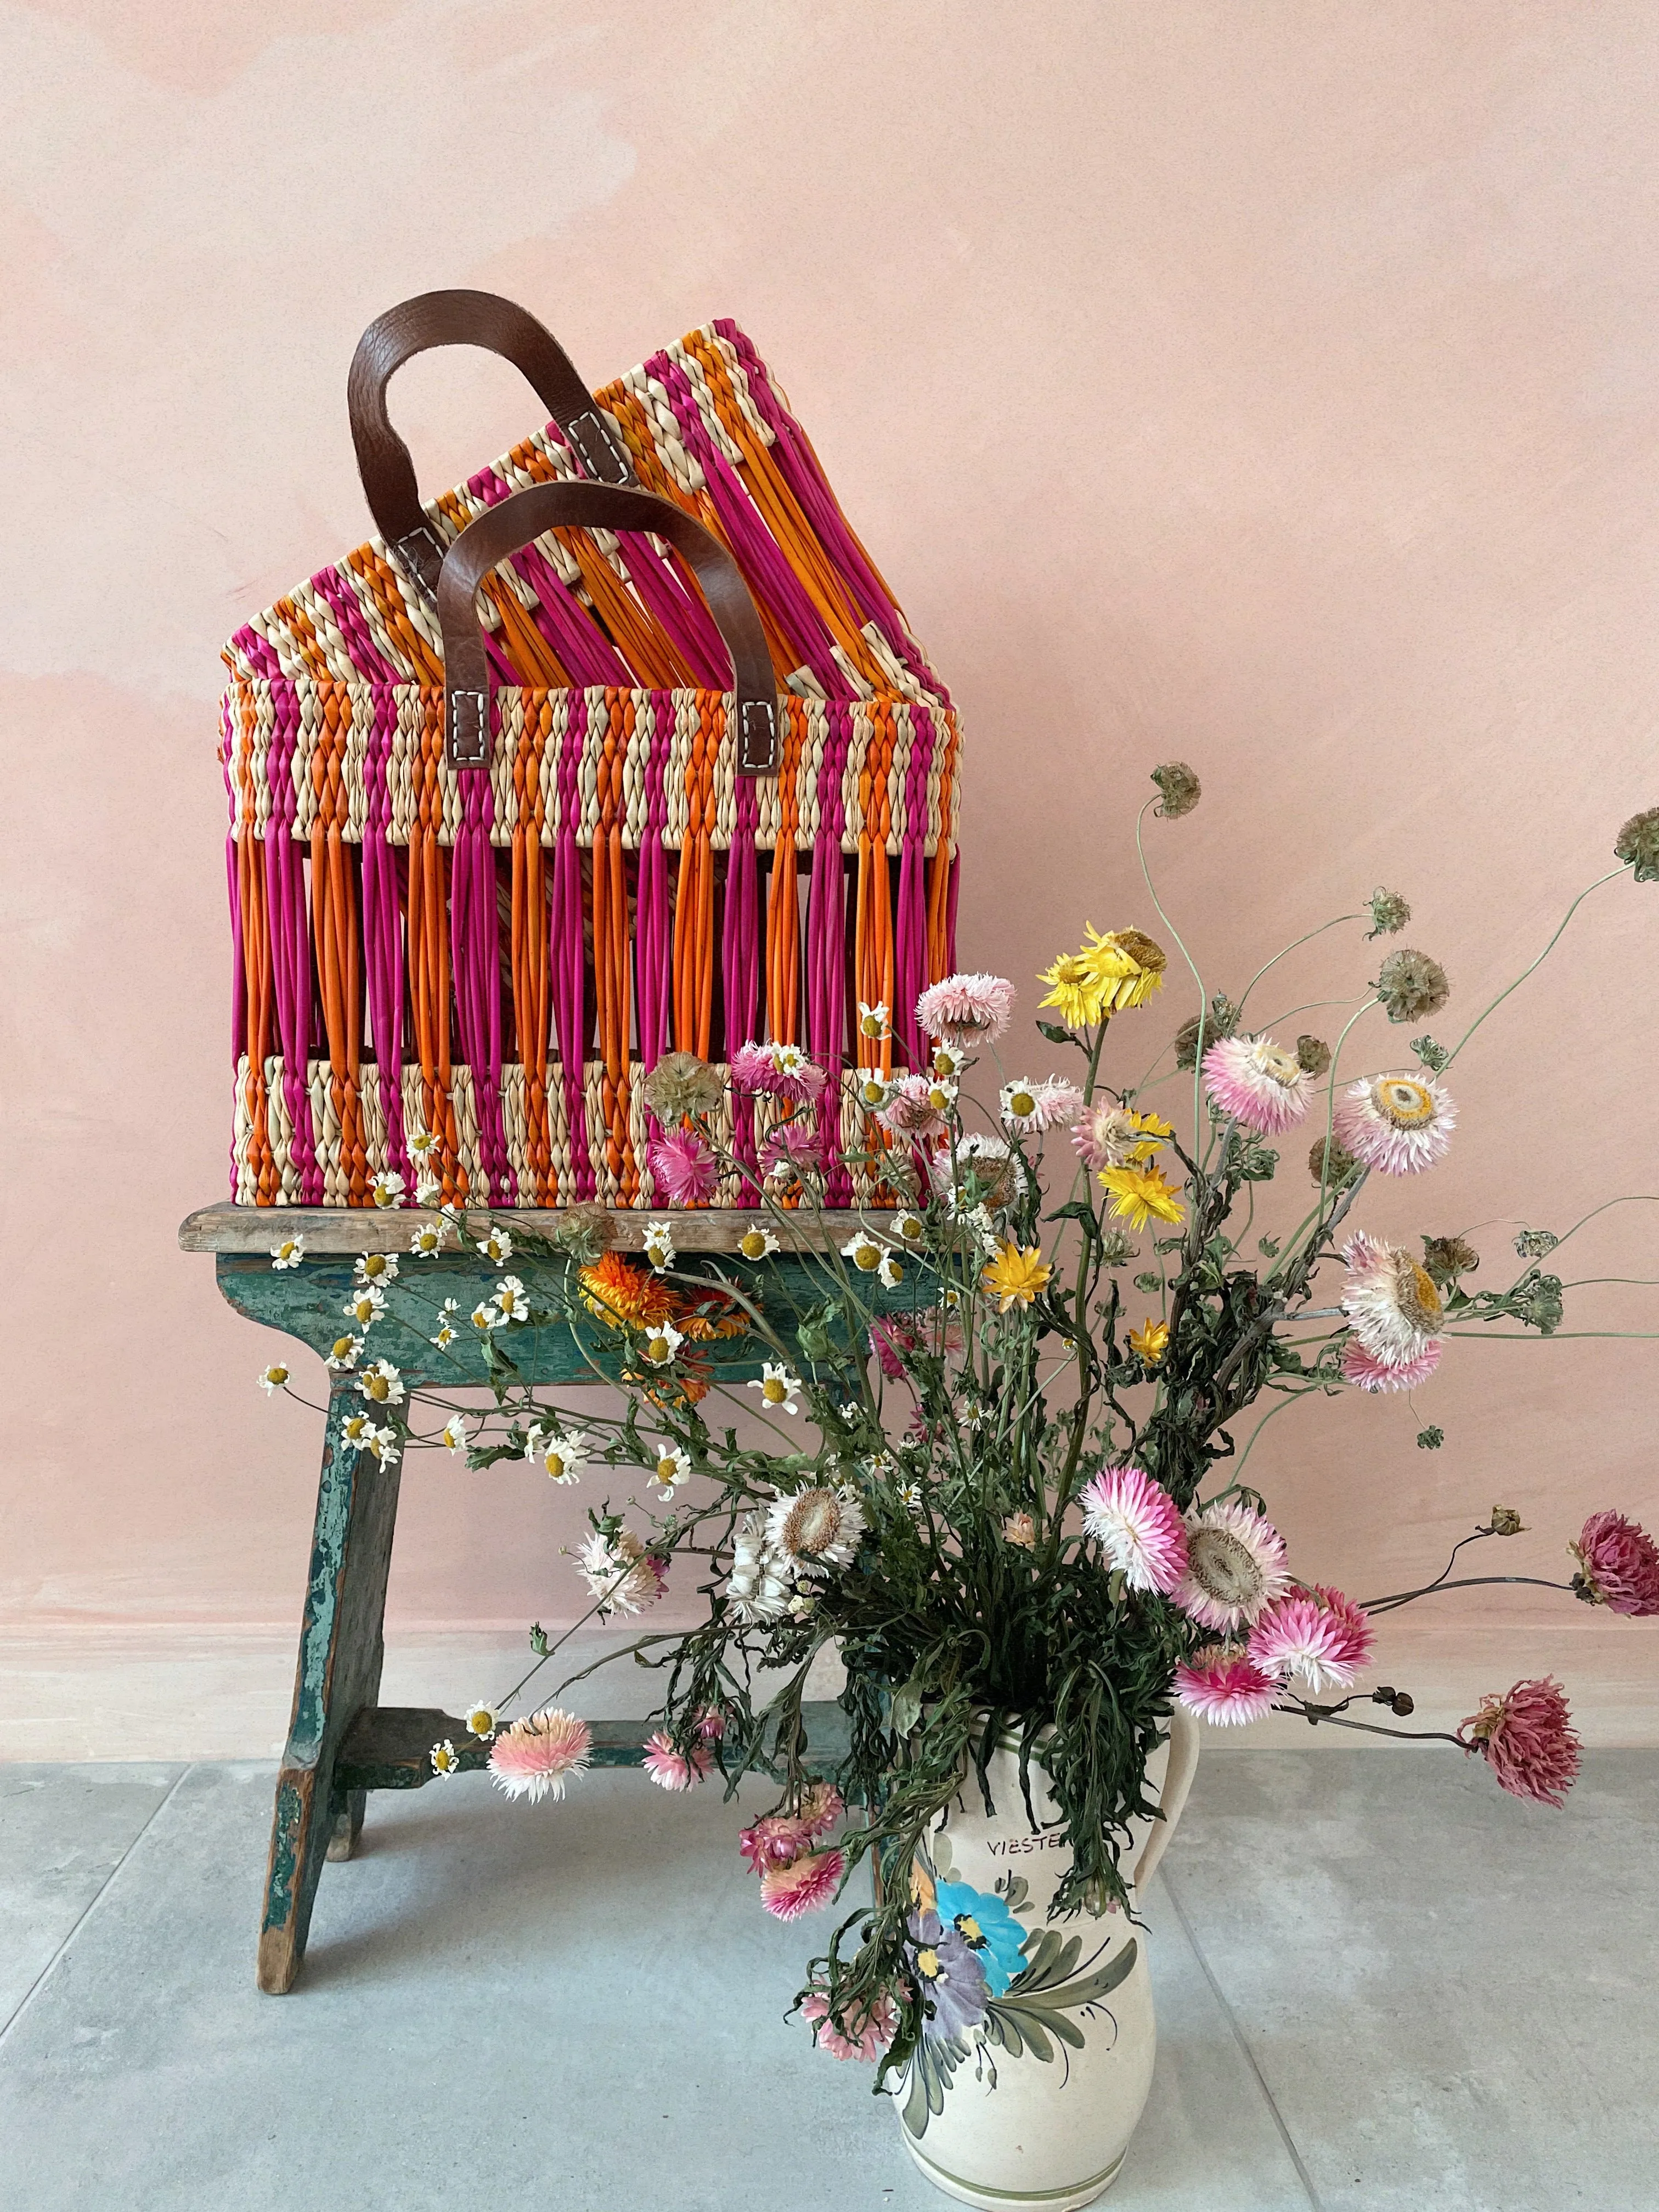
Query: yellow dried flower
(1141, 1194)
(1150, 1342)
(1015, 1276)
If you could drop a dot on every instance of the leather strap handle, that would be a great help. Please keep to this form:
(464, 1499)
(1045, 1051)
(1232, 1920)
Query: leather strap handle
(502, 530)
(496, 325)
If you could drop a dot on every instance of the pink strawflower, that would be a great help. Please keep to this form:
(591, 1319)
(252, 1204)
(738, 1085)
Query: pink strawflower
(1391, 1299)
(1297, 1635)
(684, 1169)
(780, 1071)
(872, 2031)
(669, 1769)
(793, 1150)
(533, 1758)
(1526, 1737)
(776, 1841)
(1139, 1525)
(910, 1110)
(1262, 1085)
(964, 1011)
(822, 1807)
(890, 1337)
(1115, 1137)
(1235, 1567)
(621, 1573)
(1620, 1565)
(805, 1885)
(711, 1724)
(1033, 1108)
(1365, 1369)
(1224, 1686)
(1397, 1124)
(1354, 1624)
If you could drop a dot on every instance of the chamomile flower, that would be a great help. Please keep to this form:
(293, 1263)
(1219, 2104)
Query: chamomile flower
(444, 1335)
(875, 1022)
(673, 1468)
(560, 1454)
(486, 1316)
(288, 1252)
(659, 1245)
(866, 1252)
(758, 1243)
(383, 1442)
(511, 1300)
(481, 1717)
(874, 1092)
(445, 1759)
(421, 1142)
(890, 1272)
(365, 1305)
(659, 1343)
(428, 1189)
(342, 1355)
(273, 1378)
(949, 1060)
(909, 1497)
(496, 1246)
(454, 1433)
(357, 1429)
(387, 1189)
(428, 1240)
(778, 1388)
(908, 1228)
(375, 1267)
(381, 1383)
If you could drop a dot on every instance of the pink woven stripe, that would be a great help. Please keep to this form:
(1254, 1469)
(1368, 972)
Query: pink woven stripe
(346, 610)
(476, 967)
(910, 932)
(290, 938)
(653, 921)
(566, 961)
(383, 930)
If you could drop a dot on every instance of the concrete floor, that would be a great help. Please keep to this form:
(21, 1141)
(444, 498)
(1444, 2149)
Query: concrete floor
(1380, 1984)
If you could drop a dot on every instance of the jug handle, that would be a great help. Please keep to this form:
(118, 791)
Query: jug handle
(1184, 1739)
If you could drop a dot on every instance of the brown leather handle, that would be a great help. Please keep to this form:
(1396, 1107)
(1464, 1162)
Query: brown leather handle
(496, 325)
(491, 538)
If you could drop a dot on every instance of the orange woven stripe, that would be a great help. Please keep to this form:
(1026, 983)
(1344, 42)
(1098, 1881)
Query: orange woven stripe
(782, 904)
(694, 907)
(383, 589)
(873, 953)
(611, 938)
(334, 933)
(429, 952)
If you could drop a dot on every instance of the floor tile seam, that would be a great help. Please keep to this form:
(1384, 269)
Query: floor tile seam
(93, 1902)
(1240, 2038)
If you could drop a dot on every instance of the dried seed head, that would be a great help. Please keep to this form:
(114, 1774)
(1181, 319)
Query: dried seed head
(1389, 913)
(1328, 1164)
(1181, 789)
(1220, 1021)
(681, 1084)
(1638, 844)
(1312, 1054)
(1410, 985)
(1446, 1258)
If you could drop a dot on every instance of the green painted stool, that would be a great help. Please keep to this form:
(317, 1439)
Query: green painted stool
(342, 1742)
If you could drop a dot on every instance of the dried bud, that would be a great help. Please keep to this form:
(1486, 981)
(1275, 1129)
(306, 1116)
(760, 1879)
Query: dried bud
(1116, 1245)
(1446, 1258)
(1181, 787)
(1404, 1704)
(1313, 1055)
(585, 1232)
(1389, 913)
(681, 1084)
(1431, 1439)
(1410, 985)
(1019, 1528)
(1506, 1522)
(1220, 1021)
(1535, 1244)
(1328, 1164)
(1637, 844)
(1433, 1056)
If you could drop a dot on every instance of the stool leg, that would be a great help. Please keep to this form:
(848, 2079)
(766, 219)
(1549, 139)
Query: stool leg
(337, 1674)
(348, 1825)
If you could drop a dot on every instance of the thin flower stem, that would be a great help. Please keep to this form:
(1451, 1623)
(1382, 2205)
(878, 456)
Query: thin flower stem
(1622, 871)
(1203, 996)
(1294, 944)
(1555, 1336)
(1371, 1727)
(1463, 1581)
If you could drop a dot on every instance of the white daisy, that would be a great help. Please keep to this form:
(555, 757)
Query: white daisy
(758, 1243)
(387, 1188)
(384, 1444)
(866, 1252)
(445, 1759)
(375, 1267)
(890, 1272)
(659, 1343)
(757, 1589)
(659, 1245)
(486, 1316)
(777, 1387)
(427, 1239)
(512, 1299)
(357, 1429)
(948, 1060)
(673, 1468)
(481, 1717)
(273, 1378)
(288, 1252)
(909, 1497)
(454, 1433)
(877, 1021)
(421, 1142)
(343, 1354)
(428, 1189)
(560, 1454)
(381, 1383)
(908, 1228)
(818, 1529)
(873, 1092)
(496, 1246)
(365, 1305)
(789, 1058)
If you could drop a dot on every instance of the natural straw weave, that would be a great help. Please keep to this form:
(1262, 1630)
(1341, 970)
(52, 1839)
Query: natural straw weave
(495, 957)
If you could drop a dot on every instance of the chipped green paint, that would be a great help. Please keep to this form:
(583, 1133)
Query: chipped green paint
(284, 1856)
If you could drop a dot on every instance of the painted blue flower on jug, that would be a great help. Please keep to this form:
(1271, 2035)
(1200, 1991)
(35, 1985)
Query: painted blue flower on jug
(988, 1928)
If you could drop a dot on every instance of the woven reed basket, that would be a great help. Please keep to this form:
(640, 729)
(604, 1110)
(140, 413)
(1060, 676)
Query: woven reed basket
(622, 746)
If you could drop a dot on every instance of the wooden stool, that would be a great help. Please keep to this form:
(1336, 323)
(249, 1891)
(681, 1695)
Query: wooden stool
(342, 1742)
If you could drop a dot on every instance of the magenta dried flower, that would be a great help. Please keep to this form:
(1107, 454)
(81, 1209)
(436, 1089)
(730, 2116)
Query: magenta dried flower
(1526, 1737)
(1618, 1564)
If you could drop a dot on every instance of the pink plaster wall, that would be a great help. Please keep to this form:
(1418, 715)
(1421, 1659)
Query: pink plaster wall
(1274, 387)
